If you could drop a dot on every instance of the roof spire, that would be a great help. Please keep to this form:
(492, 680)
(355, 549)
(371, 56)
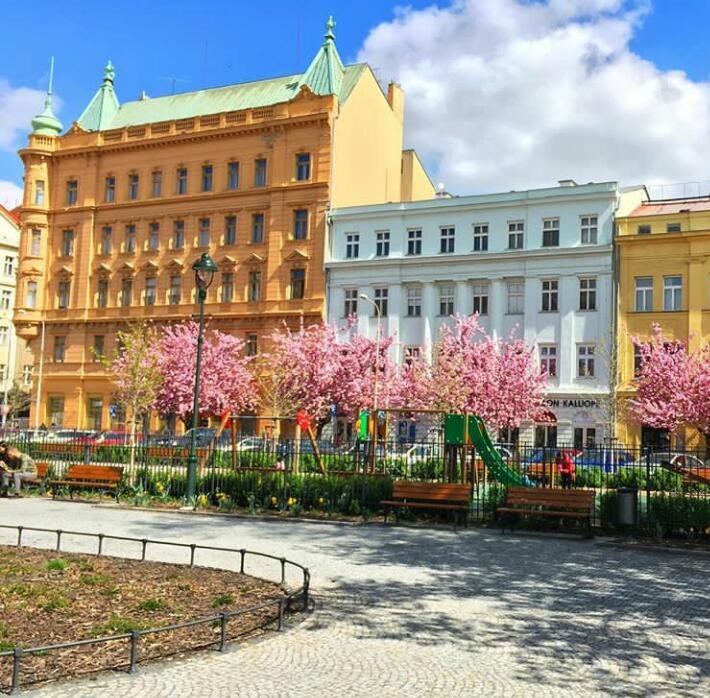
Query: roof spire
(46, 123)
(329, 26)
(324, 75)
(103, 106)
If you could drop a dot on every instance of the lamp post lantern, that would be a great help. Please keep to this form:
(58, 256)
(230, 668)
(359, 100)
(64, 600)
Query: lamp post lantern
(378, 314)
(204, 269)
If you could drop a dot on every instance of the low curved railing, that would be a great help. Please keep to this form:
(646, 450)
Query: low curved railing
(283, 603)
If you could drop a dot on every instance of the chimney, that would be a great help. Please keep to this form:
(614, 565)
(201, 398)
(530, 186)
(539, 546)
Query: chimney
(395, 98)
(567, 183)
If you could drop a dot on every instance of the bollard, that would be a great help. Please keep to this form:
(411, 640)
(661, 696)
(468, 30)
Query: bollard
(192, 554)
(16, 659)
(19, 536)
(222, 631)
(144, 543)
(59, 539)
(283, 571)
(242, 552)
(135, 636)
(101, 543)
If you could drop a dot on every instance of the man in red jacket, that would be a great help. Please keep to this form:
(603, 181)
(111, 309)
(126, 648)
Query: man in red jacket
(565, 467)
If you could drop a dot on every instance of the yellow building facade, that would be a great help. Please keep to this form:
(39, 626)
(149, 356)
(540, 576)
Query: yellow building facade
(116, 210)
(663, 256)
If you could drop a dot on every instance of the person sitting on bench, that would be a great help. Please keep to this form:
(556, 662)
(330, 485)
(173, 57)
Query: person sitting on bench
(15, 464)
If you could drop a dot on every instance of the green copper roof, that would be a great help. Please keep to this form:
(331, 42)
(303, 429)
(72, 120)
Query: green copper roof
(326, 75)
(104, 105)
(46, 124)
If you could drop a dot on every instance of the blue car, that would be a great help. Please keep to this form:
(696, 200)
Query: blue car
(608, 458)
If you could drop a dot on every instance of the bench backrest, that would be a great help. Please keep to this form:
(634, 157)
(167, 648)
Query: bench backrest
(431, 491)
(569, 499)
(42, 469)
(97, 473)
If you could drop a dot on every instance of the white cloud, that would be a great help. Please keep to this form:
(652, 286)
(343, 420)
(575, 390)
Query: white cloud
(507, 94)
(10, 194)
(17, 107)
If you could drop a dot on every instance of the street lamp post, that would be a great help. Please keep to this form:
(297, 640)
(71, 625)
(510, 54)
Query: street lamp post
(378, 314)
(204, 269)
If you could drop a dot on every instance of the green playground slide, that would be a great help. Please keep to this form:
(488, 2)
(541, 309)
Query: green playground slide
(484, 447)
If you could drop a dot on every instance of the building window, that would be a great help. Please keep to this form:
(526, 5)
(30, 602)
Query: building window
(382, 300)
(549, 295)
(9, 266)
(26, 374)
(5, 298)
(203, 238)
(516, 300)
(257, 227)
(206, 177)
(254, 292)
(673, 227)
(227, 287)
(151, 284)
(588, 294)
(447, 240)
(352, 245)
(588, 230)
(153, 236)
(230, 230)
(56, 410)
(63, 290)
(298, 283)
(31, 294)
(157, 183)
(72, 191)
(644, 230)
(350, 302)
(106, 239)
(232, 175)
(181, 180)
(672, 292)
(638, 359)
(126, 292)
(585, 361)
(130, 243)
(480, 297)
(550, 232)
(60, 348)
(251, 346)
(36, 242)
(133, 186)
(99, 347)
(67, 243)
(548, 359)
(382, 246)
(480, 237)
(446, 300)
(516, 230)
(300, 224)
(411, 354)
(178, 235)
(175, 293)
(260, 172)
(414, 301)
(644, 294)
(94, 412)
(414, 241)
(110, 189)
(303, 167)
(39, 193)
(102, 295)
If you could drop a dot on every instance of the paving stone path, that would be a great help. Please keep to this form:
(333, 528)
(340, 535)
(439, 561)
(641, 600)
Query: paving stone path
(428, 612)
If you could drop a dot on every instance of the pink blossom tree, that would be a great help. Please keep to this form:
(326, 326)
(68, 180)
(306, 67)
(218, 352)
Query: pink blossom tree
(226, 382)
(497, 379)
(134, 370)
(699, 393)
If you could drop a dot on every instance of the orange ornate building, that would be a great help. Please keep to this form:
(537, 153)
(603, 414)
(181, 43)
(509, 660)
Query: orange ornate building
(117, 208)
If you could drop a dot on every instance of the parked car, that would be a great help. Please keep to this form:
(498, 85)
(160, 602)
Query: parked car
(117, 438)
(603, 458)
(676, 461)
(422, 452)
(248, 443)
(71, 436)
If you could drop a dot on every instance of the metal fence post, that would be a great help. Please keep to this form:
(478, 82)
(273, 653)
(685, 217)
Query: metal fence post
(101, 543)
(19, 536)
(135, 636)
(16, 659)
(242, 552)
(222, 631)
(144, 544)
(192, 554)
(648, 487)
(59, 539)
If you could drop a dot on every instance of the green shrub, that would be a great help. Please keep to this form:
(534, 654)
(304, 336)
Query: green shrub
(57, 564)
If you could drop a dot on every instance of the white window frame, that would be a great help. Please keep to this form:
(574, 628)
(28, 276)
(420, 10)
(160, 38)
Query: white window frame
(643, 295)
(549, 291)
(447, 299)
(447, 239)
(352, 245)
(481, 297)
(480, 237)
(589, 229)
(414, 242)
(551, 225)
(382, 243)
(513, 294)
(350, 304)
(586, 354)
(548, 359)
(516, 232)
(414, 300)
(674, 292)
(588, 293)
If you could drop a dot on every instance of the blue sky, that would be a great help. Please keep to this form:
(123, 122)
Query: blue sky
(228, 42)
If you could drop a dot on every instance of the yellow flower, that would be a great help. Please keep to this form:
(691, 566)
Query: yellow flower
(291, 501)
(159, 488)
(321, 500)
(274, 501)
(202, 500)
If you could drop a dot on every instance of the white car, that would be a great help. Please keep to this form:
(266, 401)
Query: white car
(250, 443)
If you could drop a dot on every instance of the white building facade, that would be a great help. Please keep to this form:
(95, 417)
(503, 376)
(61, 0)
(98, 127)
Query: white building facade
(537, 261)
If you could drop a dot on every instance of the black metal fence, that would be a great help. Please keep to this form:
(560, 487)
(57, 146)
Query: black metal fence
(286, 602)
(671, 489)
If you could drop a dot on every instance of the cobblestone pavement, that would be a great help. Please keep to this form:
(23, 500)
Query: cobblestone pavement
(428, 612)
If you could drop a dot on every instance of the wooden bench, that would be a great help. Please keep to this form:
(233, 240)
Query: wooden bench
(545, 501)
(104, 478)
(429, 495)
